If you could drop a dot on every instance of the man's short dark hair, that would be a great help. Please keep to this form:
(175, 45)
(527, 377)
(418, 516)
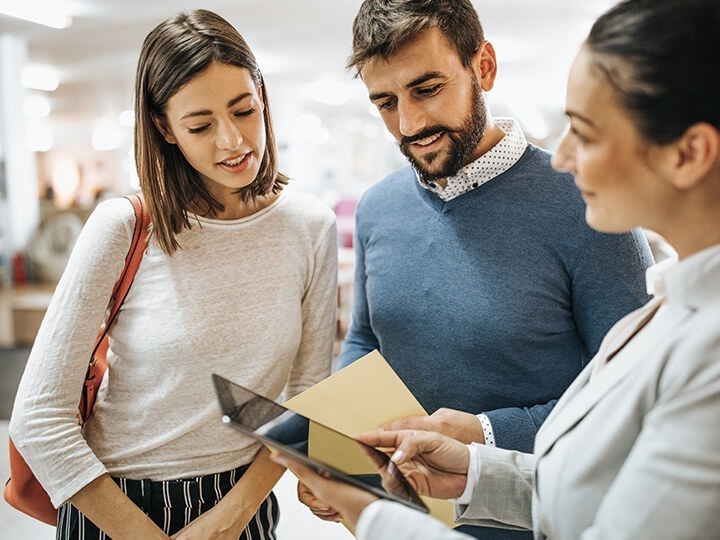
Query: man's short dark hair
(381, 27)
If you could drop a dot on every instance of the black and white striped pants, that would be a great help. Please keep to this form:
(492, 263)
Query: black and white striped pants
(173, 504)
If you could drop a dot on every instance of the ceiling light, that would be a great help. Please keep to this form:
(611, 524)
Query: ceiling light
(39, 139)
(107, 138)
(33, 12)
(65, 182)
(127, 118)
(36, 106)
(40, 78)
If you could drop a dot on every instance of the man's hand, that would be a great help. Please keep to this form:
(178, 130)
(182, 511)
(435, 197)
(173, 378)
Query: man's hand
(433, 464)
(459, 425)
(322, 510)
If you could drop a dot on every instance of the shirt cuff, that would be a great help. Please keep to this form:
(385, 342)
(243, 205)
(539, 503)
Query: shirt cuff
(487, 430)
(472, 477)
(366, 518)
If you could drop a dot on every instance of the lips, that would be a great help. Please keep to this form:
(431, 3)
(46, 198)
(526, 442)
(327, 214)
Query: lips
(427, 141)
(236, 164)
(421, 145)
(233, 162)
(585, 193)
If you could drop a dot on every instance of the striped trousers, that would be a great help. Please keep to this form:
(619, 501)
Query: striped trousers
(172, 504)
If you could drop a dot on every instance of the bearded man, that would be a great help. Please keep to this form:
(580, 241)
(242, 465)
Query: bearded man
(477, 276)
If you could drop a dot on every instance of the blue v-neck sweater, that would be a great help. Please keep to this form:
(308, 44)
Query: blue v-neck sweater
(494, 301)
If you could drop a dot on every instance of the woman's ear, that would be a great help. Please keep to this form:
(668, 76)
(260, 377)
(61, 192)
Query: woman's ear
(697, 154)
(164, 130)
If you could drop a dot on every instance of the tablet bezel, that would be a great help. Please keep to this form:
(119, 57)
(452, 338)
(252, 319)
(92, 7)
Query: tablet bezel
(321, 468)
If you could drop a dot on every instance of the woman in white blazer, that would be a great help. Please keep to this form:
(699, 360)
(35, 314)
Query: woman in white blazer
(632, 450)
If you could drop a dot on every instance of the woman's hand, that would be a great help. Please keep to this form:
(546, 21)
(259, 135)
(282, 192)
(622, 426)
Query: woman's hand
(433, 464)
(349, 501)
(218, 523)
(104, 503)
(231, 515)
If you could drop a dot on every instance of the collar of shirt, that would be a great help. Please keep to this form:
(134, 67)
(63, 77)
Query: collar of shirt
(493, 163)
(694, 281)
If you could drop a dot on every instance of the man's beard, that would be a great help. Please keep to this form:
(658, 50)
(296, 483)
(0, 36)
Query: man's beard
(463, 142)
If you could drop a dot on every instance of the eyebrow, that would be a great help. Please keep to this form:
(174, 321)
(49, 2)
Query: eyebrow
(583, 118)
(415, 82)
(206, 112)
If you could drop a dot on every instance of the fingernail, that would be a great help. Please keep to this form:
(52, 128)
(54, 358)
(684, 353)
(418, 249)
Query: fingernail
(397, 456)
(391, 468)
(381, 430)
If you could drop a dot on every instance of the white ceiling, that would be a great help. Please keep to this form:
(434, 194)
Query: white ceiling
(301, 46)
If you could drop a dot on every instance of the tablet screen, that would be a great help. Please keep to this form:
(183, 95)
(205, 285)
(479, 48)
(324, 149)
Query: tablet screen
(289, 432)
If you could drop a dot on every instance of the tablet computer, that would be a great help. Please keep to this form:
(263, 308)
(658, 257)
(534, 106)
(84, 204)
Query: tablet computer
(288, 432)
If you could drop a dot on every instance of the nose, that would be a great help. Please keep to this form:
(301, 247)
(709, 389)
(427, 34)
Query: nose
(229, 136)
(412, 118)
(563, 159)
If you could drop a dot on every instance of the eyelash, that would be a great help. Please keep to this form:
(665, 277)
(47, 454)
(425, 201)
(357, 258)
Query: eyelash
(386, 105)
(420, 92)
(429, 91)
(579, 138)
(238, 114)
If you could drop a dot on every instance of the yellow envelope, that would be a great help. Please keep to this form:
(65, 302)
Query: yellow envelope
(360, 397)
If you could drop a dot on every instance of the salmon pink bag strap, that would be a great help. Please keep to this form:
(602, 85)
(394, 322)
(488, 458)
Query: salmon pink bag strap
(98, 362)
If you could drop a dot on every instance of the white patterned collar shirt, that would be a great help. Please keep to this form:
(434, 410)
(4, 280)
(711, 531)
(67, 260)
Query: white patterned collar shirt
(493, 163)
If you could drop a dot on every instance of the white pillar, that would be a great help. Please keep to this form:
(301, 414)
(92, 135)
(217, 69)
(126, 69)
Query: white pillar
(21, 207)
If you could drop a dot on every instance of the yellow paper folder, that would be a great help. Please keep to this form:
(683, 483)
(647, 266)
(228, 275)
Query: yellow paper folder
(360, 397)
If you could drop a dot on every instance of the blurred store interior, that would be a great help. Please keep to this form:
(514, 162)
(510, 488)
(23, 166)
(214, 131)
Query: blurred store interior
(66, 119)
(66, 116)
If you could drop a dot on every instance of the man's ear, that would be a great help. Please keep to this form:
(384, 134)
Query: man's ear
(484, 64)
(164, 130)
(697, 152)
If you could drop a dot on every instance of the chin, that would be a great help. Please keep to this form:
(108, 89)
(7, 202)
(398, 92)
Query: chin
(604, 224)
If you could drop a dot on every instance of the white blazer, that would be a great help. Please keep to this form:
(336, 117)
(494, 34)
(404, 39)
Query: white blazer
(631, 450)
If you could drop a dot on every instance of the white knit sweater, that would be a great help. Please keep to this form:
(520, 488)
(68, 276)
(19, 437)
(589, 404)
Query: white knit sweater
(252, 299)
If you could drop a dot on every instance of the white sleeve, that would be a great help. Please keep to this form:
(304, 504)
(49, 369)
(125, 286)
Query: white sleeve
(502, 495)
(472, 477)
(319, 304)
(385, 520)
(44, 424)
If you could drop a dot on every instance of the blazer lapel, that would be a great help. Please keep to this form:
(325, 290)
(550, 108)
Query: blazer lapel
(592, 384)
